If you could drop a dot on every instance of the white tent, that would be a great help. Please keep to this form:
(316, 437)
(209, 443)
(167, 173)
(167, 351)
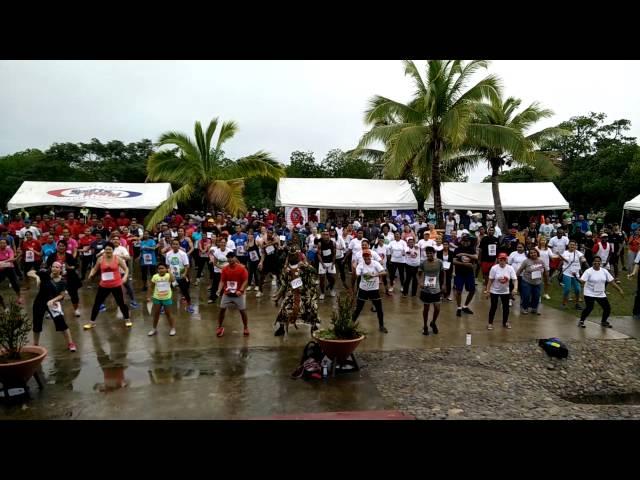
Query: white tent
(514, 196)
(633, 204)
(345, 194)
(142, 196)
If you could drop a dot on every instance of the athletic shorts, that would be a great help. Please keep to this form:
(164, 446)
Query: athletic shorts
(554, 263)
(164, 303)
(430, 298)
(365, 295)
(486, 266)
(322, 269)
(228, 301)
(465, 281)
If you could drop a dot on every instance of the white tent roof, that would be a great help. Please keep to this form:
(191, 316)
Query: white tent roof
(633, 204)
(514, 196)
(142, 196)
(346, 193)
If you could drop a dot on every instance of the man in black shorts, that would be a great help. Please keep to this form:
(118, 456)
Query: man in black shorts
(432, 289)
(465, 257)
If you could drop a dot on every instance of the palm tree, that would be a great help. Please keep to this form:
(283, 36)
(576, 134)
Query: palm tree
(202, 171)
(503, 113)
(423, 134)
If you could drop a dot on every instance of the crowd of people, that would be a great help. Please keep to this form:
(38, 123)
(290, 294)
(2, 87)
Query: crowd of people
(403, 254)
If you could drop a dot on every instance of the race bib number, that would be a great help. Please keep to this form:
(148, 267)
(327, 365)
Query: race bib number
(598, 288)
(232, 286)
(163, 287)
(536, 274)
(87, 253)
(446, 265)
(270, 249)
(339, 254)
(430, 282)
(492, 250)
(253, 255)
(5, 264)
(29, 256)
(326, 253)
(209, 234)
(240, 250)
(55, 309)
(296, 283)
(368, 283)
(283, 238)
(147, 258)
(107, 276)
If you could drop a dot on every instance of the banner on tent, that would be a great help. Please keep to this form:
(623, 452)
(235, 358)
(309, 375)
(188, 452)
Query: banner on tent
(296, 216)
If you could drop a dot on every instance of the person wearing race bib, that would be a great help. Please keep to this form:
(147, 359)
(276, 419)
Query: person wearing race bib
(595, 281)
(233, 284)
(463, 260)
(369, 272)
(488, 252)
(253, 252)
(162, 298)
(269, 261)
(397, 262)
(412, 258)
(203, 246)
(500, 276)
(383, 253)
(530, 275)
(148, 260)
(51, 291)
(327, 264)
(218, 259)
(240, 240)
(424, 243)
(354, 249)
(604, 249)
(72, 244)
(85, 252)
(299, 294)
(433, 287)
(48, 247)
(515, 260)
(558, 245)
(572, 263)
(178, 262)
(545, 254)
(110, 283)
(446, 256)
(30, 252)
(123, 252)
(69, 272)
(341, 248)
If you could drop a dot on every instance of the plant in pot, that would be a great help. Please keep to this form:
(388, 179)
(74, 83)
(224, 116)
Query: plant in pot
(18, 362)
(340, 340)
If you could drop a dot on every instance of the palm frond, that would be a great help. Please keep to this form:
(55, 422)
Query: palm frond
(182, 195)
(211, 130)
(411, 70)
(548, 134)
(384, 109)
(181, 141)
(227, 195)
(260, 164)
(165, 166)
(227, 131)
(201, 142)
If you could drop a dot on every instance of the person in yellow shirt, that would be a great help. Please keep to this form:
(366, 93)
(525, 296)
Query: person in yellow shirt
(161, 283)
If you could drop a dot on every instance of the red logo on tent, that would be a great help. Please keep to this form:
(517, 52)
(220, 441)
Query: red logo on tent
(87, 192)
(296, 216)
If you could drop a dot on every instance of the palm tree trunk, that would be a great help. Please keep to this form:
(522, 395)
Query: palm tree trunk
(495, 188)
(435, 185)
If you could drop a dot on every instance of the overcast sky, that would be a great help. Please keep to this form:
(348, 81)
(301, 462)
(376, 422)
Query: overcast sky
(280, 106)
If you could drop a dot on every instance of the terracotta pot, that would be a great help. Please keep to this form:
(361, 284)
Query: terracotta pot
(338, 349)
(20, 371)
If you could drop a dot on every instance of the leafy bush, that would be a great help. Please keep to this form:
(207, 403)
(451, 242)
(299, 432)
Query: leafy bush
(14, 331)
(342, 325)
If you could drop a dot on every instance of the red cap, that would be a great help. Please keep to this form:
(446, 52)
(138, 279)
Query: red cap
(503, 255)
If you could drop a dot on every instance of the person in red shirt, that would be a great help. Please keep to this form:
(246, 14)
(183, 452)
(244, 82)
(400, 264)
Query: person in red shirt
(58, 229)
(16, 225)
(29, 254)
(123, 221)
(108, 221)
(71, 220)
(233, 281)
(178, 219)
(84, 252)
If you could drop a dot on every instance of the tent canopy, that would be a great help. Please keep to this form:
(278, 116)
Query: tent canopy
(141, 196)
(345, 194)
(633, 204)
(514, 196)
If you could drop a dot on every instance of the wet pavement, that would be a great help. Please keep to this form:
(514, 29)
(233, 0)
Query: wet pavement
(119, 373)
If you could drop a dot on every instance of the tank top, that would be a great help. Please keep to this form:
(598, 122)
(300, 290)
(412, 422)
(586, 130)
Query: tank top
(604, 253)
(184, 243)
(109, 273)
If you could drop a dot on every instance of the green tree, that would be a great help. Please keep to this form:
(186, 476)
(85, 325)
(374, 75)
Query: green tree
(303, 165)
(339, 164)
(435, 125)
(202, 171)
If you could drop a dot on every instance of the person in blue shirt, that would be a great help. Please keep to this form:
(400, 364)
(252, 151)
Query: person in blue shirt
(48, 247)
(9, 238)
(148, 260)
(240, 240)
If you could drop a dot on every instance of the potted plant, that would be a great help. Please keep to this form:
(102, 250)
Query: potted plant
(18, 362)
(340, 340)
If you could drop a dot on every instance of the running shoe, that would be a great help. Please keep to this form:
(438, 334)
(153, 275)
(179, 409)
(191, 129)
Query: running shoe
(77, 312)
(190, 309)
(103, 308)
(72, 347)
(321, 297)
(434, 327)
(507, 325)
(581, 324)
(89, 325)
(546, 296)
(383, 329)
(172, 332)
(210, 301)
(197, 282)
(258, 295)
(152, 332)
(467, 310)
(128, 323)
(606, 325)
(425, 331)
(134, 305)
(333, 292)
(511, 303)
(524, 311)
(490, 326)
(458, 312)
(280, 331)
(220, 331)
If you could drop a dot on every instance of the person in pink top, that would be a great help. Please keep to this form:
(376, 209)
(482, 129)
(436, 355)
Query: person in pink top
(8, 267)
(72, 243)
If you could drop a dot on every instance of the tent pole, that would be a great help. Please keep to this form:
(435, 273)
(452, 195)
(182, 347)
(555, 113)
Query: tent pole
(622, 218)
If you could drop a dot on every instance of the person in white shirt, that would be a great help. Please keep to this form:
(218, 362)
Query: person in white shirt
(396, 263)
(572, 262)
(419, 225)
(178, 263)
(547, 229)
(219, 260)
(357, 257)
(369, 272)
(595, 280)
(500, 276)
(558, 245)
(424, 243)
(353, 249)
(412, 259)
(29, 228)
(382, 251)
(516, 258)
(449, 226)
(475, 225)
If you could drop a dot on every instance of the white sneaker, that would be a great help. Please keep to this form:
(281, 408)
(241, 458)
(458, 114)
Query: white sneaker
(333, 293)
(197, 282)
(511, 303)
(391, 290)
(321, 297)
(546, 296)
(172, 332)
(77, 312)
(152, 332)
(258, 295)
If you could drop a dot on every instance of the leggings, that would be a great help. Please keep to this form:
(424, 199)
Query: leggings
(378, 306)
(448, 277)
(40, 307)
(101, 296)
(494, 306)
(589, 303)
(86, 263)
(215, 284)
(73, 294)
(340, 267)
(200, 263)
(393, 266)
(254, 274)
(147, 271)
(127, 286)
(10, 273)
(410, 278)
(184, 288)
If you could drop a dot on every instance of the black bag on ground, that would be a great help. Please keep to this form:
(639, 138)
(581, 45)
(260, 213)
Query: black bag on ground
(554, 347)
(310, 362)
